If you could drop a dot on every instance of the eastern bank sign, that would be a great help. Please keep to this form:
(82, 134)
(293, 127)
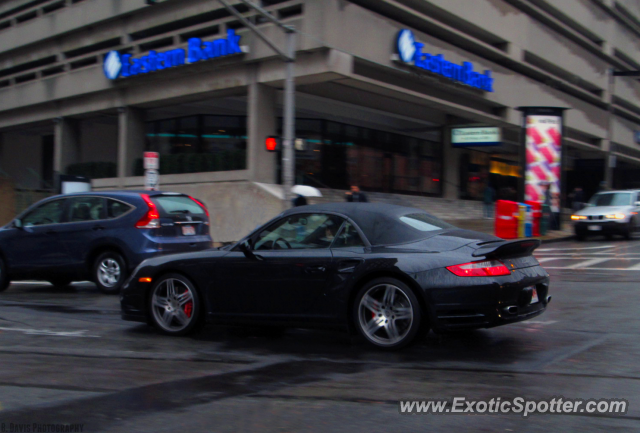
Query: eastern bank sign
(410, 52)
(117, 65)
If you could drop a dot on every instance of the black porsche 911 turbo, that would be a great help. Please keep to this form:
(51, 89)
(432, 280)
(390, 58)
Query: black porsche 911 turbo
(385, 271)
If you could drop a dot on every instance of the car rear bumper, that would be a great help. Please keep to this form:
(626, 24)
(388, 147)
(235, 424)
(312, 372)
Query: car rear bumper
(497, 302)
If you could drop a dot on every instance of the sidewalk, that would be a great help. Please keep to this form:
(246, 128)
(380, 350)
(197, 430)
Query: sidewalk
(487, 226)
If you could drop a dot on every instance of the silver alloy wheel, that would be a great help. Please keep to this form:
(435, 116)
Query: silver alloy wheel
(385, 314)
(172, 305)
(109, 272)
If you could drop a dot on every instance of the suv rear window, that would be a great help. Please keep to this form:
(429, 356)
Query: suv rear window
(177, 205)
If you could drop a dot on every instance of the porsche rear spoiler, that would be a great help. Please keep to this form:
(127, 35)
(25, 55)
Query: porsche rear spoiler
(507, 248)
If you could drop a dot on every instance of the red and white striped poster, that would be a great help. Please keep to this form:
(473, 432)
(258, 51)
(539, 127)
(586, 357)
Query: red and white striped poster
(544, 156)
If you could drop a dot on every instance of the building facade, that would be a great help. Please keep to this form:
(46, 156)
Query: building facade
(86, 86)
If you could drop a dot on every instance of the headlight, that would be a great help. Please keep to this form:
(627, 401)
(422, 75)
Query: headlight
(618, 216)
(578, 217)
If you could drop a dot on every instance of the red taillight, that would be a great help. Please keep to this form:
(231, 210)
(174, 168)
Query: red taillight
(150, 220)
(201, 205)
(489, 268)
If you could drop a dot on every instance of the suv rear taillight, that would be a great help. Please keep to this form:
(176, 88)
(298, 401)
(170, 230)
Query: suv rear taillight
(150, 220)
(204, 208)
(489, 268)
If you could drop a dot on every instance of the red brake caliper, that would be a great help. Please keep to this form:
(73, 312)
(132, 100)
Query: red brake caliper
(188, 308)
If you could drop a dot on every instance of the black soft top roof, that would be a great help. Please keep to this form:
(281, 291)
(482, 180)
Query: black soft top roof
(379, 222)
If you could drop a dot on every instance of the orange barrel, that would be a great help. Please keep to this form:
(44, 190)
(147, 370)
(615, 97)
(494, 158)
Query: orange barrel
(506, 223)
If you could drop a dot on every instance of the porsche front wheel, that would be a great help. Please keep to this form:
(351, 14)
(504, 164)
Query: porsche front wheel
(175, 305)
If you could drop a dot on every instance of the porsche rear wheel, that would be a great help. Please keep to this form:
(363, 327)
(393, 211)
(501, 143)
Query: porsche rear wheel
(387, 313)
(174, 305)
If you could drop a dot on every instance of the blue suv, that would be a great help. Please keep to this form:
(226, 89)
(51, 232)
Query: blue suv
(99, 236)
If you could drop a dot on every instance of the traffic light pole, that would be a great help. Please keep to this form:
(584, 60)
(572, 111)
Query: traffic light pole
(289, 155)
(289, 57)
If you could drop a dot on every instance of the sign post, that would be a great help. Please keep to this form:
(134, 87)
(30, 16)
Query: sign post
(151, 171)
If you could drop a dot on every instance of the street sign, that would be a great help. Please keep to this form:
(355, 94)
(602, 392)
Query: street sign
(151, 180)
(469, 137)
(151, 161)
(151, 174)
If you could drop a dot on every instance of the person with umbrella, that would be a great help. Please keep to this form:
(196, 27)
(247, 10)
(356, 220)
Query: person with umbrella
(302, 192)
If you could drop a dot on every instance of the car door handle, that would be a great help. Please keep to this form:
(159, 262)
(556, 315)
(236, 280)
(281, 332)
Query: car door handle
(348, 266)
(314, 269)
(97, 228)
(50, 232)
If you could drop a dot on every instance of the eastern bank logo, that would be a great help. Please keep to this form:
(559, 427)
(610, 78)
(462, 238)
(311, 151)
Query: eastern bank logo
(410, 51)
(117, 65)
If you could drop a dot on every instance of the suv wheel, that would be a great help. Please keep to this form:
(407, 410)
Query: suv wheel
(4, 278)
(109, 272)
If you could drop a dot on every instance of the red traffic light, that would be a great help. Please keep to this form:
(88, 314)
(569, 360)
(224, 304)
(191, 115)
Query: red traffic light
(272, 144)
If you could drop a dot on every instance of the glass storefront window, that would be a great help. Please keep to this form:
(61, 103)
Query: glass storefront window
(187, 137)
(479, 169)
(200, 143)
(165, 135)
(225, 137)
(342, 155)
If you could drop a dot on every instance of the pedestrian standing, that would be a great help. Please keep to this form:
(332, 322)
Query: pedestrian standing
(552, 200)
(489, 198)
(355, 195)
(555, 211)
(578, 199)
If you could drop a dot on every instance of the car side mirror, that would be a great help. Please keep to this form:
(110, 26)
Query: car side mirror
(17, 223)
(245, 247)
(638, 203)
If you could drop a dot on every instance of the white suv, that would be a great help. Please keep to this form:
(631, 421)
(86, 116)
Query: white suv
(609, 213)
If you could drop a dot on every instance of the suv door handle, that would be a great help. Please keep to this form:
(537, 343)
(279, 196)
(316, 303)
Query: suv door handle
(96, 228)
(50, 232)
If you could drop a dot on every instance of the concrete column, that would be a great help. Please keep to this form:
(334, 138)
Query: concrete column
(131, 140)
(66, 146)
(1, 153)
(450, 166)
(261, 122)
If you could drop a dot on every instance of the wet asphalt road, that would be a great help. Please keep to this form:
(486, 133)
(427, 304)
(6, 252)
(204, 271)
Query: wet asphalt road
(67, 357)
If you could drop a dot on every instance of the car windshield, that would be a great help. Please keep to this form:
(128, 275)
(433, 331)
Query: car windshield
(611, 199)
